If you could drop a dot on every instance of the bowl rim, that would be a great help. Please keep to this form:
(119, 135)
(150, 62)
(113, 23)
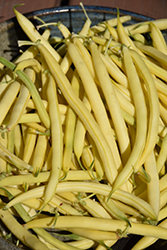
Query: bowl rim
(77, 8)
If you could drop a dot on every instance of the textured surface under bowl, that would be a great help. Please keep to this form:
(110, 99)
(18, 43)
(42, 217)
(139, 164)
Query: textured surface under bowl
(73, 17)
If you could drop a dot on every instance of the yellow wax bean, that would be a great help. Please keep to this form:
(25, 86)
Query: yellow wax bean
(125, 91)
(8, 99)
(61, 188)
(86, 56)
(141, 120)
(19, 107)
(20, 232)
(71, 198)
(24, 130)
(43, 177)
(63, 207)
(94, 208)
(7, 78)
(70, 127)
(21, 179)
(158, 39)
(112, 103)
(97, 161)
(36, 97)
(64, 30)
(21, 102)
(66, 63)
(163, 99)
(85, 29)
(31, 52)
(28, 63)
(163, 198)
(163, 113)
(148, 241)
(126, 209)
(34, 118)
(107, 34)
(13, 190)
(37, 127)
(162, 213)
(91, 187)
(118, 61)
(162, 182)
(162, 155)
(47, 165)
(93, 234)
(153, 106)
(10, 147)
(35, 204)
(80, 131)
(134, 201)
(57, 140)
(112, 22)
(31, 104)
(153, 191)
(143, 27)
(154, 53)
(39, 153)
(161, 87)
(29, 144)
(28, 118)
(50, 246)
(113, 32)
(44, 80)
(63, 107)
(33, 34)
(6, 155)
(139, 38)
(123, 37)
(114, 71)
(87, 158)
(99, 40)
(83, 113)
(3, 141)
(101, 224)
(62, 49)
(124, 103)
(155, 69)
(111, 208)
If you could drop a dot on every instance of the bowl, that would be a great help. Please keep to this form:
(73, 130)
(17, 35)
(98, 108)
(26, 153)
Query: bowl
(74, 18)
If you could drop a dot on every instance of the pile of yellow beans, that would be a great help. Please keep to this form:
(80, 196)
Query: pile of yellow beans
(83, 135)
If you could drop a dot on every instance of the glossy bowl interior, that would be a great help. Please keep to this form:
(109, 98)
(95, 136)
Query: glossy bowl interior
(73, 17)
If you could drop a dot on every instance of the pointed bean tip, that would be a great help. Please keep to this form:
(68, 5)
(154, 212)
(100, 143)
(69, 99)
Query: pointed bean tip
(15, 6)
